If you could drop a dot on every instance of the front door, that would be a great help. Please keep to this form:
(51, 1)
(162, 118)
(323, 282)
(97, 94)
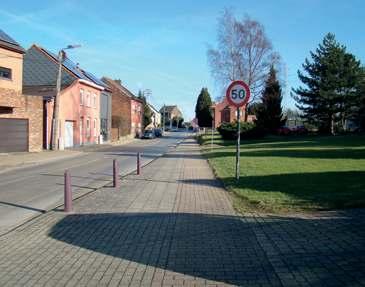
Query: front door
(69, 134)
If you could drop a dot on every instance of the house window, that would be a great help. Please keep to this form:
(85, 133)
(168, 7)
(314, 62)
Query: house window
(6, 110)
(226, 115)
(81, 97)
(88, 130)
(88, 100)
(5, 73)
(95, 128)
(94, 101)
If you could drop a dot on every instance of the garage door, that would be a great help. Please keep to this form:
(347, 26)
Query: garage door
(13, 135)
(69, 134)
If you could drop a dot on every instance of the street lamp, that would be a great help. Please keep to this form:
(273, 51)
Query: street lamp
(56, 105)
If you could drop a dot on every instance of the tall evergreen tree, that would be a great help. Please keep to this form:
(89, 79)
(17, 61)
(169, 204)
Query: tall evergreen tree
(147, 113)
(203, 109)
(269, 113)
(331, 79)
(360, 115)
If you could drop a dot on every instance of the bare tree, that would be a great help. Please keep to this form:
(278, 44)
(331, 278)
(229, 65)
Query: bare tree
(243, 53)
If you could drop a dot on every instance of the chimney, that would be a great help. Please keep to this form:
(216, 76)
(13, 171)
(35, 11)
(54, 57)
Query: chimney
(118, 81)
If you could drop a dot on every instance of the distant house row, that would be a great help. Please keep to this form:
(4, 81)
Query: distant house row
(91, 110)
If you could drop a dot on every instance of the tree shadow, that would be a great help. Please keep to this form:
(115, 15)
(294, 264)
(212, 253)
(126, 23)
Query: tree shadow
(328, 190)
(227, 249)
(295, 142)
(331, 153)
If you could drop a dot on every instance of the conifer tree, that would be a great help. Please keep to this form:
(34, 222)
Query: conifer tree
(203, 109)
(147, 113)
(331, 82)
(269, 113)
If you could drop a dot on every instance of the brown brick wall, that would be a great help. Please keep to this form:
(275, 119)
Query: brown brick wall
(121, 111)
(25, 107)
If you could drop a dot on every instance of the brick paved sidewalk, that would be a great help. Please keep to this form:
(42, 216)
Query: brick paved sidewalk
(174, 226)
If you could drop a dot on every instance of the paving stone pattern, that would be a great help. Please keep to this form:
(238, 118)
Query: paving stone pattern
(174, 225)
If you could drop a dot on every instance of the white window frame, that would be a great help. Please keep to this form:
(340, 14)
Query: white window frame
(88, 127)
(94, 101)
(82, 100)
(88, 97)
(8, 71)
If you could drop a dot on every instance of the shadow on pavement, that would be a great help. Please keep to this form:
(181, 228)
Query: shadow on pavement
(270, 251)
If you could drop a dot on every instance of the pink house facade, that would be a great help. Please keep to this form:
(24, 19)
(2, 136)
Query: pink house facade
(136, 117)
(79, 116)
(79, 106)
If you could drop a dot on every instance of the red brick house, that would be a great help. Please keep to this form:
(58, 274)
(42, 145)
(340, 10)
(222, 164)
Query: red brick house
(20, 115)
(127, 111)
(223, 112)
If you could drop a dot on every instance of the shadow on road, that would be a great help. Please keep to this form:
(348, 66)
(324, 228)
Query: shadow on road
(81, 177)
(23, 206)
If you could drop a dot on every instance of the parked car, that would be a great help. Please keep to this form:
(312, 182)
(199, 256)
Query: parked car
(148, 134)
(158, 132)
(284, 131)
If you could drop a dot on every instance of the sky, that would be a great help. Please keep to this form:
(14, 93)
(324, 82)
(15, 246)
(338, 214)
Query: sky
(162, 45)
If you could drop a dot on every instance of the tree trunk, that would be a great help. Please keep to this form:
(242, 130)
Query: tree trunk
(333, 124)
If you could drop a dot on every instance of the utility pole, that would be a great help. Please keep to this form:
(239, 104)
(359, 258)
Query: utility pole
(56, 104)
(163, 118)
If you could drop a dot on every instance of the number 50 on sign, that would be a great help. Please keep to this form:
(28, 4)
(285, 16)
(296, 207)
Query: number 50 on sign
(238, 93)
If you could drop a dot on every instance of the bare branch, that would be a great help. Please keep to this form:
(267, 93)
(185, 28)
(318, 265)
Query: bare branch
(243, 52)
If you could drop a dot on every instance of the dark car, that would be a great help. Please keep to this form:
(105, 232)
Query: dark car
(148, 134)
(158, 133)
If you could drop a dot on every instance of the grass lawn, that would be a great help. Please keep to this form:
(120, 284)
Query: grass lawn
(285, 174)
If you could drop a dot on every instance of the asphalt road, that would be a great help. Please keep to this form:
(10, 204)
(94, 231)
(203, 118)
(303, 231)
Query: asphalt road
(30, 191)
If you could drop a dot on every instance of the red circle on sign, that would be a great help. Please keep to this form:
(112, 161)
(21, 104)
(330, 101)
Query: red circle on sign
(245, 99)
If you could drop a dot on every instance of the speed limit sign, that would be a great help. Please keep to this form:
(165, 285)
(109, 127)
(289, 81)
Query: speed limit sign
(238, 93)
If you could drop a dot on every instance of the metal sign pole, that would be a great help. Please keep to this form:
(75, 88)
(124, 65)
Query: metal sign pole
(238, 145)
(211, 142)
(237, 94)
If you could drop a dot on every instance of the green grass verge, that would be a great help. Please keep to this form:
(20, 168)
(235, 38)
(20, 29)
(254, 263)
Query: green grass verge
(281, 174)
